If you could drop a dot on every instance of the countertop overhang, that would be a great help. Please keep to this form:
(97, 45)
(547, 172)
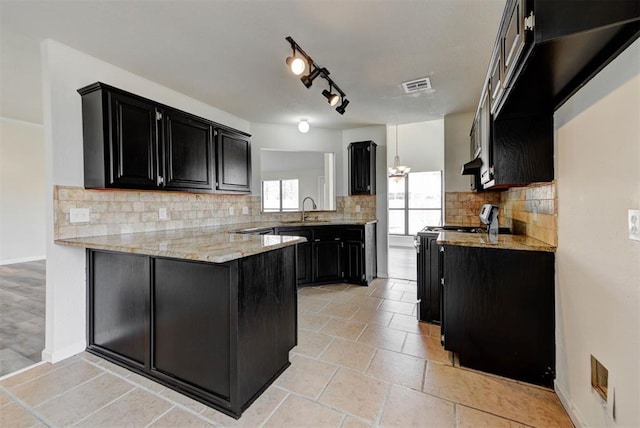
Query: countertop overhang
(505, 242)
(214, 244)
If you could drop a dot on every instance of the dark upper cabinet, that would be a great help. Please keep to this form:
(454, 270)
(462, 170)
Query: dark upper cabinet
(135, 143)
(133, 150)
(189, 152)
(362, 168)
(545, 51)
(233, 161)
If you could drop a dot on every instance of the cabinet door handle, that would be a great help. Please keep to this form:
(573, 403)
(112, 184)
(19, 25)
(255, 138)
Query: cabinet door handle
(316, 240)
(160, 180)
(336, 239)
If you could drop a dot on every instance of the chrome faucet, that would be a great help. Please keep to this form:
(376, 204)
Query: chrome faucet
(304, 214)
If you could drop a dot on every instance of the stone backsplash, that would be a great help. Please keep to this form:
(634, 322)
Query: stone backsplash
(462, 208)
(129, 211)
(530, 210)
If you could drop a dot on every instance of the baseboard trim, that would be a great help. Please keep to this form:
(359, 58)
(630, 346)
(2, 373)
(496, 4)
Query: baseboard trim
(64, 353)
(573, 413)
(21, 260)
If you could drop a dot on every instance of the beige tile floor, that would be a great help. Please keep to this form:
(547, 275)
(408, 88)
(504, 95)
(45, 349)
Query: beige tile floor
(362, 360)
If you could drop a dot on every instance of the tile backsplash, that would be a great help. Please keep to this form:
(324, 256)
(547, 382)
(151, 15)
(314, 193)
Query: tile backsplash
(530, 210)
(129, 211)
(462, 208)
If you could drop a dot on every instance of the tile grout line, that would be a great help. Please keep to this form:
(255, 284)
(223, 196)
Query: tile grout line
(276, 408)
(32, 411)
(160, 416)
(106, 405)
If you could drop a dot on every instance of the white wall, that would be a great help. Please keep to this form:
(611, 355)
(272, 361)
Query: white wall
(456, 151)
(377, 134)
(22, 192)
(598, 267)
(420, 145)
(64, 71)
(267, 136)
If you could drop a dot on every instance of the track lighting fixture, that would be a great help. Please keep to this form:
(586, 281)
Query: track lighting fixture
(315, 71)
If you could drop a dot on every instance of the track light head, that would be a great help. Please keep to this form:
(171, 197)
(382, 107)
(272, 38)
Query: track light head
(332, 98)
(296, 65)
(308, 79)
(341, 107)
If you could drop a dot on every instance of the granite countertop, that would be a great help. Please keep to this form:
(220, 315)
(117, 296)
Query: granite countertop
(506, 242)
(215, 244)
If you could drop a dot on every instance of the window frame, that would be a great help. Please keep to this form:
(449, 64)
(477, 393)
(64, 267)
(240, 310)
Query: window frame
(407, 209)
(279, 210)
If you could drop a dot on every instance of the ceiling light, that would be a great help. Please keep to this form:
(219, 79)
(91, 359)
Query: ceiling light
(332, 98)
(341, 107)
(303, 126)
(297, 66)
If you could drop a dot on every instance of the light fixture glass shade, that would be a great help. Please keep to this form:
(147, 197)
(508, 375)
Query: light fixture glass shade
(296, 65)
(303, 126)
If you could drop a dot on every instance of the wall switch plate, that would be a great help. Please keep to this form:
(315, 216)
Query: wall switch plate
(162, 213)
(634, 224)
(79, 215)
(245, 210)
(357, 208)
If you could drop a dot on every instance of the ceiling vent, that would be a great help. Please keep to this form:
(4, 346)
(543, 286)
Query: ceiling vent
(422, 84)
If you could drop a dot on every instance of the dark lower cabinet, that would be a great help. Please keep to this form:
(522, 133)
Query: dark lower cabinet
(428, 264)
(118, 293)
(334, 253)
(217, 332)
(499, 311)
(327, 259)
(303, 252)
(353, 261)
(191, 324)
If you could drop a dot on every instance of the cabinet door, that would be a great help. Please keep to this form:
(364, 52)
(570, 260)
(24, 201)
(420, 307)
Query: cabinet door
(514, 39)
(495, 79)
(118, 304)
(327, 261)
(484, 130)
(191, 324)
(303, 251)
(362, 168)
(133, 140)
(189, 152)
(353, 259)
(233, 162)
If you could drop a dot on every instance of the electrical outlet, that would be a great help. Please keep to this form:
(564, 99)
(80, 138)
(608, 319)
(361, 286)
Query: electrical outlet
(230, 210)
(79, 215)
(357, 208)
(162, 213)
(245, 210)
(634, 224)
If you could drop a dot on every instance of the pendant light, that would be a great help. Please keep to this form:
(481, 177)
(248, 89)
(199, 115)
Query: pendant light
(398, 171)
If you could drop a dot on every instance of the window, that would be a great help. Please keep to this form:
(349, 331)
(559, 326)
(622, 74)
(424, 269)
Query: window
(415, 201)
(280, 195)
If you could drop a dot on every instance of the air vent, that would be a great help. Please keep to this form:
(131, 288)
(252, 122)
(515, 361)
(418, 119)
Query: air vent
(422, 84)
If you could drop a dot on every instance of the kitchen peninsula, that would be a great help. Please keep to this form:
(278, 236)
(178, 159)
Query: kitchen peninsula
(205, 311)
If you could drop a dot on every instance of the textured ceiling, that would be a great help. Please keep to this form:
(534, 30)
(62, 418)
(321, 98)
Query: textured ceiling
(230, 54)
